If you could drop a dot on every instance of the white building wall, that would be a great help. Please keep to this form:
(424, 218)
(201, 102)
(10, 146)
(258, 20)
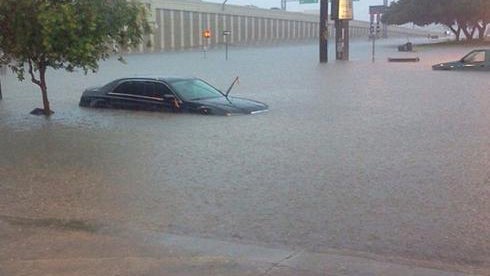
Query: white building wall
(179, 24)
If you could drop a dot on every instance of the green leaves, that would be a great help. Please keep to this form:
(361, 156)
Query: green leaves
(66, 34)
(464, 14)
(69, 34)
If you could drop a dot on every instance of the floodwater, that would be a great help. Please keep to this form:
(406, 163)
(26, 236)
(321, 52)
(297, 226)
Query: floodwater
(387, 158)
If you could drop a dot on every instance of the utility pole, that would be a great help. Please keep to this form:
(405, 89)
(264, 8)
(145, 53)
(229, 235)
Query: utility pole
(341, 39)
(385, 26)
(2, 72)
(342, 12)
(323, 31)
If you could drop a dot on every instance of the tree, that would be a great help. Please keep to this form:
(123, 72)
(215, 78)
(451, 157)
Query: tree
(66, 34)
(483, 18)
(460, 16)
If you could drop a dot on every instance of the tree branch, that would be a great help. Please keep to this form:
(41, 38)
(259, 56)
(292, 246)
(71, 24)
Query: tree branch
(456, 32)
(33, 77)
(473, 29)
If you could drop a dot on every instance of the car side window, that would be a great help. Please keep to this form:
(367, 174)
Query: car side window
(155, 89)
(128, 87)
(481, 57)
(149, 90)
(163, 90)
(475, 57)
(140, 88)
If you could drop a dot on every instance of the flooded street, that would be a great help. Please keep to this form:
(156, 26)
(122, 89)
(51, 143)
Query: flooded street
(385, 158)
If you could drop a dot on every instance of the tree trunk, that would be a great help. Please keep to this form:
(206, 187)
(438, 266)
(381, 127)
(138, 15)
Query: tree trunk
(44, 89)
(482, 28)
(472, 33)
(456, 32)
(41, 82)
(2, 72)
(466, 32)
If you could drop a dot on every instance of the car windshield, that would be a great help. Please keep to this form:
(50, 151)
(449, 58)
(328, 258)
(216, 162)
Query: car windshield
(195, 89)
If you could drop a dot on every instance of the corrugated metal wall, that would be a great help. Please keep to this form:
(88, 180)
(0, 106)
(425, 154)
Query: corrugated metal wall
(180, 25)
(178, 29)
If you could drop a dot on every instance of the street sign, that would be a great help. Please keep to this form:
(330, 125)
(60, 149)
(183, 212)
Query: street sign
(380, 9)
(342, 9)
(226, 33)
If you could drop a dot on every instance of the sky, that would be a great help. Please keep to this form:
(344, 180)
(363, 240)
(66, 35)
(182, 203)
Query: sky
(361, 7)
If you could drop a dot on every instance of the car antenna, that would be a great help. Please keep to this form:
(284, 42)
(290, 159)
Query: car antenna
(237, 80)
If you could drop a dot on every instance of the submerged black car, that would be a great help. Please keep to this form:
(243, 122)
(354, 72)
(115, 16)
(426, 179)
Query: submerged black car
(478, 60)
(173, 94)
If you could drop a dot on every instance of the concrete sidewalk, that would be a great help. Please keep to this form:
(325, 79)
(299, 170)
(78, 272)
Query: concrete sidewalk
(55, 247)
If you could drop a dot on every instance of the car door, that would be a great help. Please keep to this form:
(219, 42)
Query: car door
(124, 95)
(139, 94)
(150, 98)
(167, 95)
(486, 66)
(156, 96)
(149, 95)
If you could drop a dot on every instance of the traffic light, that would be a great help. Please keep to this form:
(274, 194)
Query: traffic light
(371, 28)
(378, 27)
(206, 34)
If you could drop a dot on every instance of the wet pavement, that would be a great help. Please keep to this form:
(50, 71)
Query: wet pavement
(70, 250)
(385, 158)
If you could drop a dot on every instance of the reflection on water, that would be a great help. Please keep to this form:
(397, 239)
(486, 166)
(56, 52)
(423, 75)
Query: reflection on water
(386, 158)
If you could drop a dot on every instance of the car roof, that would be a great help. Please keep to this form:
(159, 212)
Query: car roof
(479, 50)
(158, 78)
(109, 86)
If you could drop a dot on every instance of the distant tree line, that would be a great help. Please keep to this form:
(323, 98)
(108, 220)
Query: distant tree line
(468, 17)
